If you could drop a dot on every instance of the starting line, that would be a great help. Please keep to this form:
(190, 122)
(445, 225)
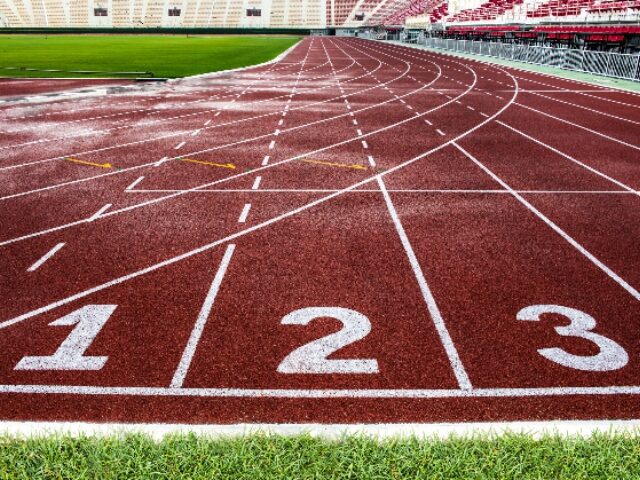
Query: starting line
(319, 393)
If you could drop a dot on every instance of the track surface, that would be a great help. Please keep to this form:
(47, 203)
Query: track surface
(360, 232)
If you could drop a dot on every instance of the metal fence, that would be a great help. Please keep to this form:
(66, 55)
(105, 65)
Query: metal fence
(618, 65)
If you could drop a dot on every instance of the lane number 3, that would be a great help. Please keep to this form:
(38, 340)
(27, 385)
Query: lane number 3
(610, 357)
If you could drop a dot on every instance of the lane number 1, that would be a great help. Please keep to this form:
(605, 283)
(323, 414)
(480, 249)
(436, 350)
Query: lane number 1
(88, 322)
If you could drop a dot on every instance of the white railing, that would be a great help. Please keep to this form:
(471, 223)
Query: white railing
(618, 65)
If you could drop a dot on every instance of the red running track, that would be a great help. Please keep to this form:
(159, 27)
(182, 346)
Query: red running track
(359, 232)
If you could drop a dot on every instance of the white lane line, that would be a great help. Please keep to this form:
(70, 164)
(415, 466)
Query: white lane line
(135, 182)
(570, 158)
(256, 183)
(359, 132)
(277, 132)
(284, 114)
(355, 122)
(372, 162)
(280, 122)
(161, 161)
(196, 132)
(265, 160)
(603, 135)
(409, 107)
(216, 114)
(598, 112)
(471, 108)
(634, 293)
(179, 146)
(440, 131)
(484, 115)
(99, 212)
(207, 122)
(45, 257)
(434, 311)
(523, 392)
(272, 144)
(398, 190)
(245, 213)
(198, 328)
(428, 122)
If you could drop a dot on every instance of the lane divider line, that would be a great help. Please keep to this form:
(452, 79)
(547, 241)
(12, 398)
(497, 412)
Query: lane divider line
(45, 257)
(245, 213)
(634, 293)
(187, 355)
(256, 183)
(135, 182)
(179, 146)
(99, 212)
(161, 161)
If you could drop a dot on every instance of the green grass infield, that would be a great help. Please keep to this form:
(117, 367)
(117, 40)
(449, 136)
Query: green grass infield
(167, 56)
(254, 457)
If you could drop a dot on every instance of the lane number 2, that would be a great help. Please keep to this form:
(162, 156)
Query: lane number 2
(610, 357)
(312, 357)
(88, 322)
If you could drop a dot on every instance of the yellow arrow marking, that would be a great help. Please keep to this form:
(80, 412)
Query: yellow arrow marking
(83, 162)
(212, 164)
(341, 165)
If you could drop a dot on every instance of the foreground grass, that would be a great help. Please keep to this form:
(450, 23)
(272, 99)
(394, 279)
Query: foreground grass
(304, 457)
(165, 55)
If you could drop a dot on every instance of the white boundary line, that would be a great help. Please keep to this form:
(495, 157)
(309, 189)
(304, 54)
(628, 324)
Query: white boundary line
(444, 431)
(378, 393)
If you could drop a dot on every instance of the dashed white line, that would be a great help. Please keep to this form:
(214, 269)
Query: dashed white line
(161, 161)
(180, 145)
(355, 122)
(364, 144)
(427, 122)
(216, 114)
(359, 132)
(45, 257)
(471, 108)
(272, 144)
(134, 183)
(99, 212)
(256, 183)
(265, 160)
(372, 162)
(440, 131)
(207, 122)
(280, 122)
(195, 132)
(277, 132)
(245, 213)
(187, 356)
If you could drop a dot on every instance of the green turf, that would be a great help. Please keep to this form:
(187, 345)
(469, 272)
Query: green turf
(270, 457)
(165, 55)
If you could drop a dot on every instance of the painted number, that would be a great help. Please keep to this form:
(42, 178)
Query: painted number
(312, 357)
(611, 356)
(88, 322)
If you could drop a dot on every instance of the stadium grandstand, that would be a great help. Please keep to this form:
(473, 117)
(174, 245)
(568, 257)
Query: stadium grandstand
(455, 15)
